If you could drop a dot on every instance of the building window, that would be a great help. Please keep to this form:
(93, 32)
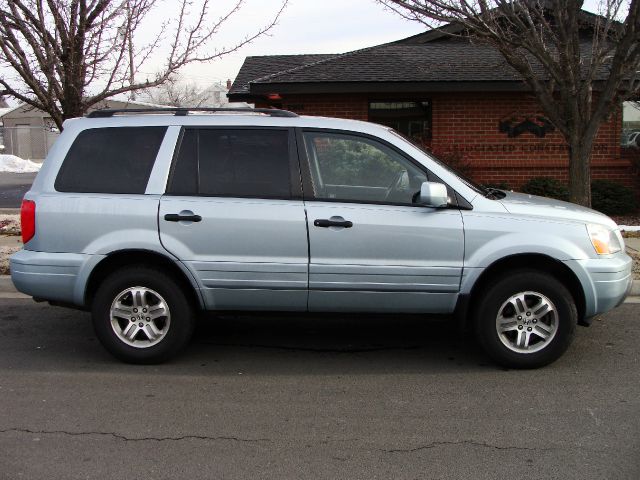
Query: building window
(412, 119)
(631, 124)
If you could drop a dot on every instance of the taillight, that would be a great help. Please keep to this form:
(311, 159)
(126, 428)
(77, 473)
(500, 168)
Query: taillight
(28, 220)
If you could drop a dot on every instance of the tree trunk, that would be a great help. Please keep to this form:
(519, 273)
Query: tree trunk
(71, 107)
(580, 171)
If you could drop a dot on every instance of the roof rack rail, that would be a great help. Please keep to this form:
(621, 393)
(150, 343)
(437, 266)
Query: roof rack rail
(182, 111)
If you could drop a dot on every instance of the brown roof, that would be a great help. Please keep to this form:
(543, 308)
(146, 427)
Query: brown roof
(430, 61)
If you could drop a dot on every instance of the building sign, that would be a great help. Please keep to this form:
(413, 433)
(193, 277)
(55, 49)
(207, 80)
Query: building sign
(549, 148)
(514, 126)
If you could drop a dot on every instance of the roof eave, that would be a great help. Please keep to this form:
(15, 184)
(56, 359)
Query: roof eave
(258, 89)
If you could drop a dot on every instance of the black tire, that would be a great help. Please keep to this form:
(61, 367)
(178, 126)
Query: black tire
(178, 331)
(492, 299)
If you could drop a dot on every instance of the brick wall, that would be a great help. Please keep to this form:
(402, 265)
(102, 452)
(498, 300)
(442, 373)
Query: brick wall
(466, 125)
(355, 107)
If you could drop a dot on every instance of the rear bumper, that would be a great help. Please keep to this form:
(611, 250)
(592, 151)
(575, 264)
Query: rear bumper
(606, 281)
(59, 277)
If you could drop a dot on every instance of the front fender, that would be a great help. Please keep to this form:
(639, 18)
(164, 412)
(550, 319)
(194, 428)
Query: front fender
(489, 239)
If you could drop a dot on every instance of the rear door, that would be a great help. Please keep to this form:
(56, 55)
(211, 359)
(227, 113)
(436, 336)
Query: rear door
(233, 213)
(371, 248)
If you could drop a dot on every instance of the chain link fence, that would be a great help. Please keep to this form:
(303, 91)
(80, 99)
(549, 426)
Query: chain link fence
(30, 143)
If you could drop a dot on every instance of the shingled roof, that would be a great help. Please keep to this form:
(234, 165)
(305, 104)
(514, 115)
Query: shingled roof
(431, 61)
(254, 68)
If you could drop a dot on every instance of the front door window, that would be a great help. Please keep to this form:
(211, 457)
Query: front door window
(357, 169)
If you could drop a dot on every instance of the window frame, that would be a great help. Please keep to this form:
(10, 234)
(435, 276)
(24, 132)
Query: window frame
(295, 177)
(307, 183)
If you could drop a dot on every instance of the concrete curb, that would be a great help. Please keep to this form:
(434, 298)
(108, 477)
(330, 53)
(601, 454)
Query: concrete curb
(6, 286)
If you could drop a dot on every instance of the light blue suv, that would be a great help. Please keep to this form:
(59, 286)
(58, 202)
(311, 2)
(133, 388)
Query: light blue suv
(147, 217)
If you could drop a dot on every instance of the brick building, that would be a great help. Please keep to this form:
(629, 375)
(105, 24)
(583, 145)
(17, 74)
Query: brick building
(458, 97)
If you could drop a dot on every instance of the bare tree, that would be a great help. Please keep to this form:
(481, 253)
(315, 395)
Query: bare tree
(176, 93)
(66, 55)
(579, 66)
(180, 92)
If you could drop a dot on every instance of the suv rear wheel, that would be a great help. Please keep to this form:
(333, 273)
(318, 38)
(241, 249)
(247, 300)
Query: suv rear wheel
(526, 319)
(141, 315)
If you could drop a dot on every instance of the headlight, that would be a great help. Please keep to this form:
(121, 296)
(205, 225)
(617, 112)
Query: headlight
(603, 240)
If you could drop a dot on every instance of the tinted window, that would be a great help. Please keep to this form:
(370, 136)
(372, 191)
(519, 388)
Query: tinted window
(110, 160)
(233, 163)
(352, 168)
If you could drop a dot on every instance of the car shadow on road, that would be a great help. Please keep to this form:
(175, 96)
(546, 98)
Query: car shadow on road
(38, 336)
(330, 343)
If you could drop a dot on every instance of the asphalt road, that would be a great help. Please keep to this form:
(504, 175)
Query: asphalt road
(314, 398)
(13, 186)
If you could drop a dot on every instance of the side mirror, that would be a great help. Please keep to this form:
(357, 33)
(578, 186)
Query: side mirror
(433, 194)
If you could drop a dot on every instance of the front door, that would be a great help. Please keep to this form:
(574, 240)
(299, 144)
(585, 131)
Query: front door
(371, 247)
(233, 214)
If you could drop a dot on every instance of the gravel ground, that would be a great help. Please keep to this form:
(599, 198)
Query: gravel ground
(9, 240)
(9, 225)
(627, 219)
(636, 263)
(5, 252)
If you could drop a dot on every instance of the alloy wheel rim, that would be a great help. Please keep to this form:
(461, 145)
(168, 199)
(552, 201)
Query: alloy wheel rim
(527, 322)
(140, 317)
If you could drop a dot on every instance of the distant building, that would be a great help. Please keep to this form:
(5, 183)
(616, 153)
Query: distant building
(29, 133)
(457, 97)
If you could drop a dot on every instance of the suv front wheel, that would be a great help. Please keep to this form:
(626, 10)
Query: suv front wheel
(141, 315)
(526, 319)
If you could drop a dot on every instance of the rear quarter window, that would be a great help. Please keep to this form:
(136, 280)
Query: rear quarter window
(110, 160)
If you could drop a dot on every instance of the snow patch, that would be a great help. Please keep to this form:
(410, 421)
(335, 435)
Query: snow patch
(629, 228)
(13, 164)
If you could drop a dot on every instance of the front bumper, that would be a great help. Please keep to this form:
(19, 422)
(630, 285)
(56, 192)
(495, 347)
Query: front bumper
(606, 281)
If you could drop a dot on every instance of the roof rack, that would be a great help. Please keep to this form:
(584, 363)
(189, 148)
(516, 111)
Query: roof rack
(182, 111)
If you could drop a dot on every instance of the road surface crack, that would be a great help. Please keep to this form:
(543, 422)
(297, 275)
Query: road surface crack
(134, 439)
(462, 442)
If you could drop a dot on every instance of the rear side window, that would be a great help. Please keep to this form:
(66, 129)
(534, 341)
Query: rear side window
(110, 160)
(232, 163)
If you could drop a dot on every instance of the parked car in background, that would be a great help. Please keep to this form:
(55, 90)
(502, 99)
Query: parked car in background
(145, 218)
(632, 140)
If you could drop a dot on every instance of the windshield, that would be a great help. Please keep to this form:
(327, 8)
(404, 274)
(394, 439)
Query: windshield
(486, 192)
